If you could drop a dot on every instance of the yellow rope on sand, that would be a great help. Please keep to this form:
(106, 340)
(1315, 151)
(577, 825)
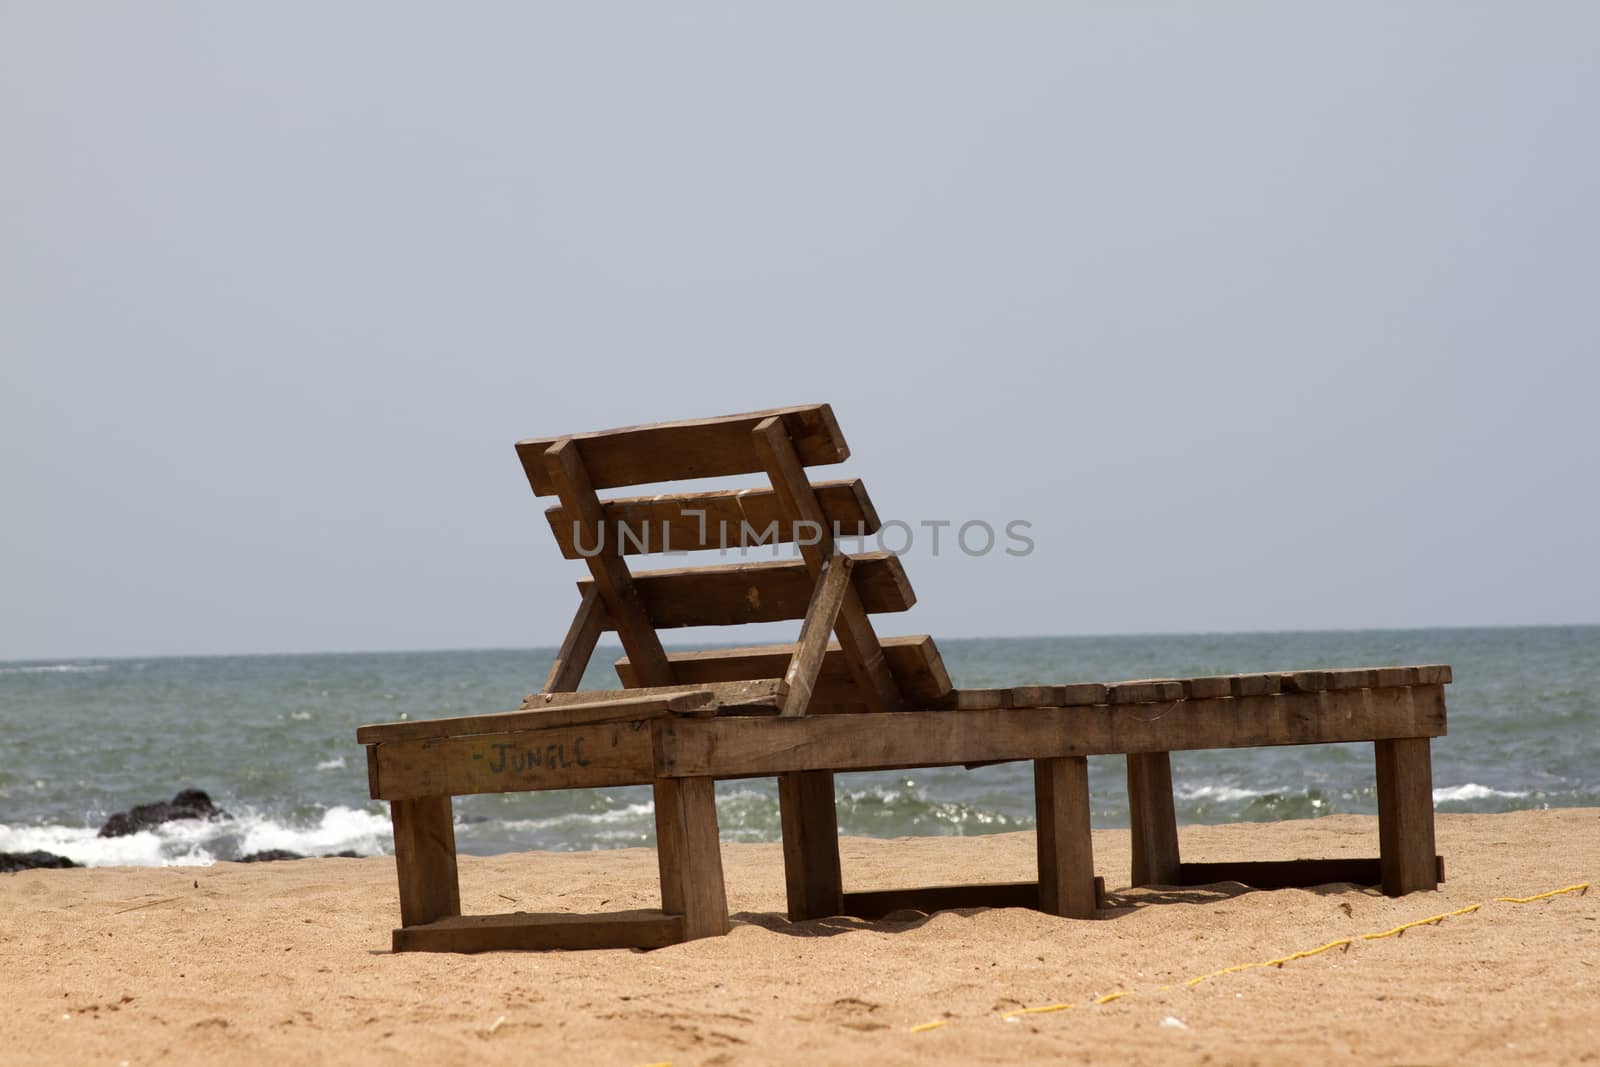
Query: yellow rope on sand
(1344, 942)
(1279, 962)
(1429, 921)
(1580, 889)
(924, 1027)
(1042, 1009)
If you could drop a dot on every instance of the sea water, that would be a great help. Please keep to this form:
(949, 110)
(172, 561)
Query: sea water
(272, 739)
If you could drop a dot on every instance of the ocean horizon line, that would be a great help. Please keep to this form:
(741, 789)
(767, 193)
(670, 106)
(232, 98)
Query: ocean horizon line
(946, 639)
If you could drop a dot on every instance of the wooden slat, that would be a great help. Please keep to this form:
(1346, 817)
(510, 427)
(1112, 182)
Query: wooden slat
(521, 930)
(1212, 688)
(914, 661)
(1153, 822)
(1290, 874)
(724, 519)
(700, 448)
(1144, 691)
(794, 691)
(744, 695)
(857, 638)
(579, 713)
(1405, 814)
(731, 747)
(769, 591)
(572, 658)
(877, 903)
(1076, 695)
(1065, 849)
(810, 845)
(1254, 685)
(608, 754)
(425, 859)
(625, 611)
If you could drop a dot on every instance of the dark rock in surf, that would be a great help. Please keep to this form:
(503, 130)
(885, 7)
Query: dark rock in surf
(11, 862)
(189, 804)
(271, 855)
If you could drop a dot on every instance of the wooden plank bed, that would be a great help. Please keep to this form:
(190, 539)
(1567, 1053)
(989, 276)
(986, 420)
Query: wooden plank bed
(839, 699)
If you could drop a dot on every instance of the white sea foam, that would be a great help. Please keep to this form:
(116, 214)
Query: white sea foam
(341, 829)
(55, 668)
(335, 764)
(1470, 791)
(569, 820)
(1223, 793)
(201, 842)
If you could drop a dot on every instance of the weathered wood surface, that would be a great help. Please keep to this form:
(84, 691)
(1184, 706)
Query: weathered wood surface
(722, 519)
(919, 671)
(810, 845)
(857, 638)
(733, 747)
(1405, 814)
(1023, 696)
(742, 695)
(877, 903)
(800, 679)
(1152, 819)
(625, 611)
(572, 658)
(604, 708)
(698, 448)
(690, 856)
(1159, 690)
(576, 757)
(521, 930)
(1065, 850)
(769, 591)
(425, 859)
(1290, 874)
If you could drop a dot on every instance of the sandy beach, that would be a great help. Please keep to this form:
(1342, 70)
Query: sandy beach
(289, 962)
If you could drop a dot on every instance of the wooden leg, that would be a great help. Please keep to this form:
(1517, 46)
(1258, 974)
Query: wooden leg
(1405, 816)
(1155, 824)
(425, 857)
(1066, 854)
(810, 845)
(690, 855)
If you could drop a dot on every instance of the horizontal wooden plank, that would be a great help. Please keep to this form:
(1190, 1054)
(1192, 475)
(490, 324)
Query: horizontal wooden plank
(769, 591)
(742, 748)
(603, 707)
(604, 754)
(1434, 674)
(877, 903)
(1024, 696)
(699, 448)
(914, 661)
(539, 931)
(728, 519)
(758, 693)
(1288, 874)
(1255, 685)
(1144, 691)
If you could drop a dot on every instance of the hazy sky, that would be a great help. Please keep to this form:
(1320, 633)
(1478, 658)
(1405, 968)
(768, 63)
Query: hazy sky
(1264, 318)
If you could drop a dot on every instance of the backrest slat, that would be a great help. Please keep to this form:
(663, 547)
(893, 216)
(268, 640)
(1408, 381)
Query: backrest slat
(701, 448)
(914, 661)
(722, 519)
(733, 594)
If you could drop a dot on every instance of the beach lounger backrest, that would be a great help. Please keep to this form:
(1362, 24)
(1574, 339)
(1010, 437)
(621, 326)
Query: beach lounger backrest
(832, 592)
